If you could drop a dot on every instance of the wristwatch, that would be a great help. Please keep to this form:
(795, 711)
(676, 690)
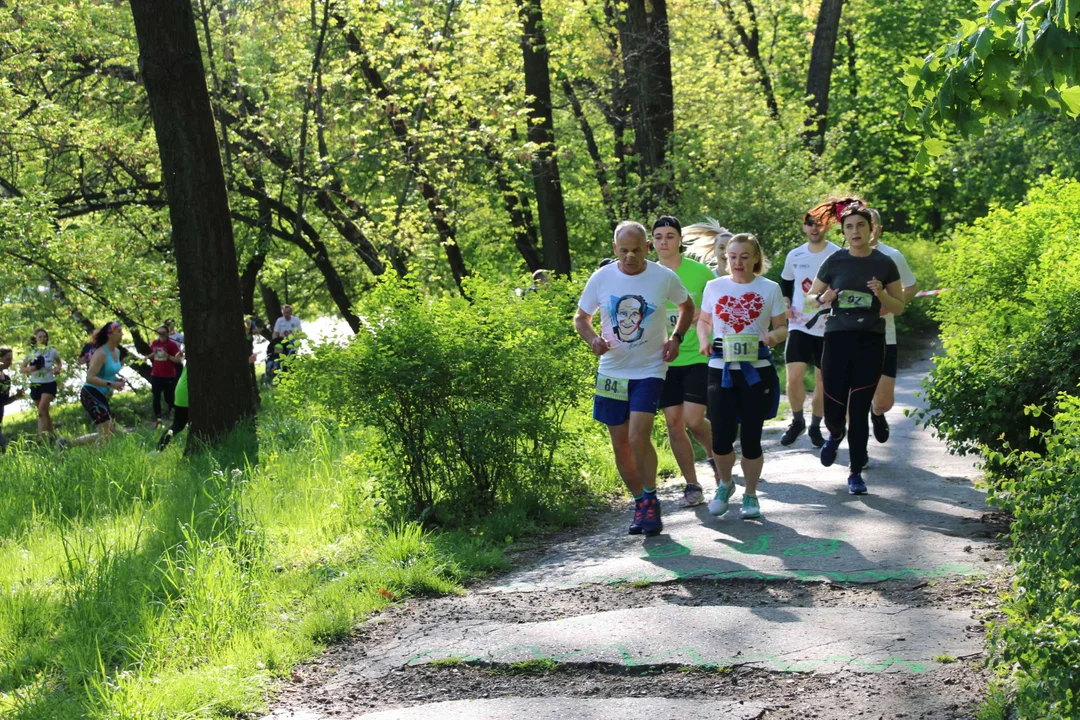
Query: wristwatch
(678, 336)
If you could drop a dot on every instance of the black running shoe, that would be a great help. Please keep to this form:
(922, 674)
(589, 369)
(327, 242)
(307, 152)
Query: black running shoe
(881, 427)
(795, 429)
(828, 453)
(814, 433)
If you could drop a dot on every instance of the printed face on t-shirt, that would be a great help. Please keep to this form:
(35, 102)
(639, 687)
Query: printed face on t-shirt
(629, 315)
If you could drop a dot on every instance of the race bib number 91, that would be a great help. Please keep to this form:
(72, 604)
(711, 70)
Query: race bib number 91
(740, 347)
(854, 300)
(612, 388)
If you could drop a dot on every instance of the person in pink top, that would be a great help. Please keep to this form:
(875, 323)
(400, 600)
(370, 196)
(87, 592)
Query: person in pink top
(165, 355)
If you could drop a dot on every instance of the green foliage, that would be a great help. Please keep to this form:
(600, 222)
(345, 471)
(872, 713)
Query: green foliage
(470, 397)
(1040, 639)
(173, 587)
(1016, 55)
(1009, 326)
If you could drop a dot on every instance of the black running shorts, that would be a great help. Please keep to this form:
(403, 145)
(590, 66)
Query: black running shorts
(889, 369)
(686, 383)
(804, 348)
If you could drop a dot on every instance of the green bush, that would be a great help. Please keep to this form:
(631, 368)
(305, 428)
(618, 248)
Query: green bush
(1041, 637)
(1011, 326)
(470, 397)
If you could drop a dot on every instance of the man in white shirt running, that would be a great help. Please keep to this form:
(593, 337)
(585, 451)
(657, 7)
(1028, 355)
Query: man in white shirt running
(884, 396)
(805, 345)
(634, 349)
(287, 324)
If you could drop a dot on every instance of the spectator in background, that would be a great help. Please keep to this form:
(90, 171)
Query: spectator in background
(285, 328)
(42, 364)
(178, 338)
(165, 356)
(6, 358)
(287, 324)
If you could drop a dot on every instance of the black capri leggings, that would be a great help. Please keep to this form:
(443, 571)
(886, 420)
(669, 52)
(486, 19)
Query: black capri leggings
(162, 386)
(739, 409)
(850, 369)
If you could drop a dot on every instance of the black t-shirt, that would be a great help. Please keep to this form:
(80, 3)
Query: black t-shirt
(5, 392)
(856, 308)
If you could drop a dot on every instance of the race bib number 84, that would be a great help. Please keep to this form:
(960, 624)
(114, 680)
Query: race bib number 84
(613, 388)
(854, 300)
(740, 347)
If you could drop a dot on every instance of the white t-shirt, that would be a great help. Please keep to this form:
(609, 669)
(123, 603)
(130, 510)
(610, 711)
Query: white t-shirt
(284, 327)
(801, 266)
(742, 309)
(632, 317)
(177, 338)
(907, 279)
(45, 374)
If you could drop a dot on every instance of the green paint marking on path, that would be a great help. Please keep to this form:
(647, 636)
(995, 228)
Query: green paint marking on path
(684, 656)
(856, 576)
(667, 550)
(816, 548)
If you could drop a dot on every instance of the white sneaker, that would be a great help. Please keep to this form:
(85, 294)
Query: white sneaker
(751, 509)
(719, 504)
(692, 496)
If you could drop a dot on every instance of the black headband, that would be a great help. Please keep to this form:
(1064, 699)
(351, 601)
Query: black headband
(667, 221)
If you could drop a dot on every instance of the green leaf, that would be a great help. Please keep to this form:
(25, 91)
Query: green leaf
(996, 14)
(1070, 96)
(935, 146)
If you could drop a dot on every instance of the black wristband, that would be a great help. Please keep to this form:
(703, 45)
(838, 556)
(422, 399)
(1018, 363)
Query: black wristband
(678, 335)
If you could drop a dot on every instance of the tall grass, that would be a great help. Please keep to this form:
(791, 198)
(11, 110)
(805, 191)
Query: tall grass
(140, 585)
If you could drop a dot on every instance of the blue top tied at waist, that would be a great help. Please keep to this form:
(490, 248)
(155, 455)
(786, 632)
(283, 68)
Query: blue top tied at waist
(753, 377)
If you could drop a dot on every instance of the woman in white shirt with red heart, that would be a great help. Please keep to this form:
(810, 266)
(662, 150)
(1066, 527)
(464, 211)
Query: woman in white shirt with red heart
(743, 387)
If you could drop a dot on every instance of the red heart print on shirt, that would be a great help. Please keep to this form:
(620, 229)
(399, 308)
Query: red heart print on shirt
(739, 313)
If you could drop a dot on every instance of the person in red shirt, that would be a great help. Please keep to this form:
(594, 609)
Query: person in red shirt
(164, 356)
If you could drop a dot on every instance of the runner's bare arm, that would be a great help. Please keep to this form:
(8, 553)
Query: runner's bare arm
(778, 334)
(819, 288)
(909, 292)
(704, 329)
(583, 325)
(891, 296)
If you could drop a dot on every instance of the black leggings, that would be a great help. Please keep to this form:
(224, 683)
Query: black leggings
(160, 386)
(179, 422)
(739, 410)
(850, 369)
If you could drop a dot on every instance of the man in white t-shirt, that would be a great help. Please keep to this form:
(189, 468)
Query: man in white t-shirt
(884, 396)
(805, 345)
(287, 324)
(634, 349)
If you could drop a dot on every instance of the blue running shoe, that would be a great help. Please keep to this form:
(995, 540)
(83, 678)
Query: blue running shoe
(855, 484)
(639, 516)
(829, 450)
(651, 524)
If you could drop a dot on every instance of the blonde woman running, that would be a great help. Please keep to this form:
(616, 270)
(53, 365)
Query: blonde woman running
(744, 390)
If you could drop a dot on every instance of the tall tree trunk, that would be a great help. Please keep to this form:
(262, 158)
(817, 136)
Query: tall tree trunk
(545, 166)
(750, 38)
(206, 267)
(819, 77)
(646, 51)
(599, 166)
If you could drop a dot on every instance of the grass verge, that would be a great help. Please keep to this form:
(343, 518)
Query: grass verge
(141, 585)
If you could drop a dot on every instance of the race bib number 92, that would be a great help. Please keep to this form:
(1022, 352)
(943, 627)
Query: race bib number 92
(854, 300)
